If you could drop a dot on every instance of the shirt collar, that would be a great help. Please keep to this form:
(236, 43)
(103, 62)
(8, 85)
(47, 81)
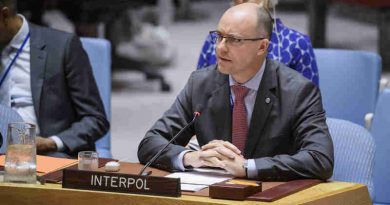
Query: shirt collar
(254, 82)
(18, 39)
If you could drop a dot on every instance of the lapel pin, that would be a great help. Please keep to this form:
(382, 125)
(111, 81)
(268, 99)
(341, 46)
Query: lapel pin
(267, 100)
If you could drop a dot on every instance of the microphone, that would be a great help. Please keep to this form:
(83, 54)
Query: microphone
(196, 115)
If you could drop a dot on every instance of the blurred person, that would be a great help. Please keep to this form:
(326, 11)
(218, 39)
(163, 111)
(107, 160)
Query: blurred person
(45, 75)
(287, 45)
(259, 120)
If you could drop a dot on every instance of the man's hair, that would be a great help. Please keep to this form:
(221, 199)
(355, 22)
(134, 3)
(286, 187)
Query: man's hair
(268, 4)
(11, 4)
(264, 21)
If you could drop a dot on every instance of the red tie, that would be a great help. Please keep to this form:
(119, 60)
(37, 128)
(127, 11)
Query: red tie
(240, 124)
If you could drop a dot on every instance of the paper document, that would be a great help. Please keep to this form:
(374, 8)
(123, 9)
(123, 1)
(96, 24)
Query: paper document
(47, 164)
(190, 180)
(211, 170)
(192, 187)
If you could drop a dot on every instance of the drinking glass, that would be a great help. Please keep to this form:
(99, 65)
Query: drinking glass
(88, 160)
(20, 158)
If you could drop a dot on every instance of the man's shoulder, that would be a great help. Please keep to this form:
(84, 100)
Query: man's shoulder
(209, 72)
(207, 79)
(49, 34)
(288, 78)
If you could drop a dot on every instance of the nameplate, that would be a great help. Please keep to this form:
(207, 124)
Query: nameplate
(119, 182)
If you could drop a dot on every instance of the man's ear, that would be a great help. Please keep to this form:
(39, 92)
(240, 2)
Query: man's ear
(263, 47)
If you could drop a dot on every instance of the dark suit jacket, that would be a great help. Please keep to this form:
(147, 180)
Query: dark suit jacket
(65, 96)
(288, 137)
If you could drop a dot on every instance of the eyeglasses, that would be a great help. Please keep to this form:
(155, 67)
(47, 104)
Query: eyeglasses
(217, 37)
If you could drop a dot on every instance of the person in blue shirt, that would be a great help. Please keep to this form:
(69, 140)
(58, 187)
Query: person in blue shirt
(287, 45)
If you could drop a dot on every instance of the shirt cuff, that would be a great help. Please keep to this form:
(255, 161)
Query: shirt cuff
(178, 163)
(251, 170)
(59, 143)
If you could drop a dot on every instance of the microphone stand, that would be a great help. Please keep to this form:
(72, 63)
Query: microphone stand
(141, 173)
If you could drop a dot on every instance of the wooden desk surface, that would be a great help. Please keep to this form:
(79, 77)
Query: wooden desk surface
(49, 194)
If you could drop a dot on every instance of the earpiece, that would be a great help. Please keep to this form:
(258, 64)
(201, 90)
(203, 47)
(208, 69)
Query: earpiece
(276, 30)
(273, 3)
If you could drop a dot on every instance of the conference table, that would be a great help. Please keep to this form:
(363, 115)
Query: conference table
(53, 194)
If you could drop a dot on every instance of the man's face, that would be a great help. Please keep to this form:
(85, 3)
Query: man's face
(234, 58)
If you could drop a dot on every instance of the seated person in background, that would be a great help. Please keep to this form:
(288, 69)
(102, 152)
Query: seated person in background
(260, 119)
(288, 46)
(49, 83)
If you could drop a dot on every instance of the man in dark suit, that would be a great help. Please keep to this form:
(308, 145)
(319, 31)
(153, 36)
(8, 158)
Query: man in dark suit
(259, 119)
(50, 83)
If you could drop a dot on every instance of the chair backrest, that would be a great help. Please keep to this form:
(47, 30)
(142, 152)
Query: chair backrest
(381, 132)
(354, 150)
(7, 115)
(99, 53)
(349, 82)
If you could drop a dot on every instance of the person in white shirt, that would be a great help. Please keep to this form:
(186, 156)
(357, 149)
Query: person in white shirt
(45, 75)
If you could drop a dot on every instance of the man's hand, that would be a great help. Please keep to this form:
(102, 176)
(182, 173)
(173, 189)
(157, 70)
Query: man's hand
(193, 159)
(211, 154)
(218, 153)
(224, 148)
(45, 145)
(235, 166)
(229, 155)
(210, 158)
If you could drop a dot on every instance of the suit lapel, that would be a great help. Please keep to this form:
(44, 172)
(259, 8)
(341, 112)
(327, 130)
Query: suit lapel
(37, 66)
(220, 109)
(264, 101)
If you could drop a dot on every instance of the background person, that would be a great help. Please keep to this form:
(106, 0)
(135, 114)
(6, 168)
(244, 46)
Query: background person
(47, 78)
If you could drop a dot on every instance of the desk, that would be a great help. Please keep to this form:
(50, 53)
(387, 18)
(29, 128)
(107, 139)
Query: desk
(49, 194)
